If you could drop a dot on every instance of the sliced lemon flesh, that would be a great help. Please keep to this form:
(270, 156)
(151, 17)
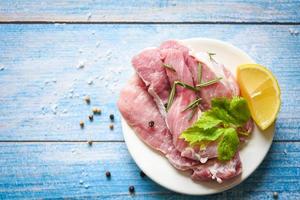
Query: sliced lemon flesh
(261, 90)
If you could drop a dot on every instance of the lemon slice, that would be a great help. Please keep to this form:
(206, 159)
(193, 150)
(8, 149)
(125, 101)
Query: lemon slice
(261, 90)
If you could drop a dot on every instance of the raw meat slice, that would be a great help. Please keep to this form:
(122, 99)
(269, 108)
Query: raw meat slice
(134, 100)
(177, 120)
(138, 109)
(217, 170)
(149, 67)
(226, 87)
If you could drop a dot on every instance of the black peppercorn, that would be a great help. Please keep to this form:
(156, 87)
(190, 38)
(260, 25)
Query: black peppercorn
(151, 123)
(91, 117)
(107, 174)
(111, 117)
(142, 174)
(275, 195)
(131, 189)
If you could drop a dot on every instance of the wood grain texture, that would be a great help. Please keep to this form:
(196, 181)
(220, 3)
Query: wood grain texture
(64, 170)
(150, 11)
(40, 72)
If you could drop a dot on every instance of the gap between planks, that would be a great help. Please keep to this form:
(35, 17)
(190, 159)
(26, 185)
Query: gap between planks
(150, 22)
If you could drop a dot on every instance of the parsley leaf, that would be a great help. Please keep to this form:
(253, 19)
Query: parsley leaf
(194, 134)
(228, 145)
(220, 123)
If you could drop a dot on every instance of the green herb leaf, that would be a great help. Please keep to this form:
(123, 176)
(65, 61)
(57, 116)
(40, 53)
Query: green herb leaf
(239, 109)
(211, 56)
(223, 119)
(171, 96)
(195, 135)
(207, 121)
(186, 86)
(199, 73)
(228, 145)
(213, 81)
(170, 67)
(192, 113)
(192, 105)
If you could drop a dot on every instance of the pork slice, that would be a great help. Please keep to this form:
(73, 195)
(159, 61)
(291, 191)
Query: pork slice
(217, 170)
(226, 87)
(138, 109)
(176, 119)
(148, 65)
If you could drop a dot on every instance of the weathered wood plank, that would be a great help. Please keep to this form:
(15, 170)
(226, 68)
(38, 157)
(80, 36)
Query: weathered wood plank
(40, 71)
(150, 11)
(55, 170)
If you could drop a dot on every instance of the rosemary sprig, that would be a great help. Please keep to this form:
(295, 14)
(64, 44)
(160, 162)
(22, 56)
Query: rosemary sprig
(171, 96)
(170, 67)
(211, 56)
(186, 86)
(213, 81)
(192, 113)
(199, 72)
(173, 91)
(193, 104)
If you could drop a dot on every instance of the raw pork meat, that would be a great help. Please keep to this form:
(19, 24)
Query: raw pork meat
(149, 67)
(138, 108)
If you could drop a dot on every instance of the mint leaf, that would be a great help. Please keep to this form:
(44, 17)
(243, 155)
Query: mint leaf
(207, 121)
(195, 135)
(228, 145)
(225, 118)
(239, 109)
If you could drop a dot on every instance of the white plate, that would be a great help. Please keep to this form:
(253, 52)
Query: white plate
(157, 167)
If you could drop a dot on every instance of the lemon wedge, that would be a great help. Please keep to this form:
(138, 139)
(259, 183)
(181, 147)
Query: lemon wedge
(261, 90)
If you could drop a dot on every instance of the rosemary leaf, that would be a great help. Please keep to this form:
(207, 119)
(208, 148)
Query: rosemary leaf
(171, 96)
(210, 56)
(213, 81)
(199, 72)
(170, 67)
(192, 105)
(192, 113)
(186, 86)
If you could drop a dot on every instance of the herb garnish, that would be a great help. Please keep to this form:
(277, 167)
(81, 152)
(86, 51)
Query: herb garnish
(199, 72)
(213, 81)
(192, 105)
(192, 113)
(211, 56)
(173, 91)
(220, 123)
(170, 67)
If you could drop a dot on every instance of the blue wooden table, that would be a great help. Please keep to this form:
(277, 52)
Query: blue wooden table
(53, 53)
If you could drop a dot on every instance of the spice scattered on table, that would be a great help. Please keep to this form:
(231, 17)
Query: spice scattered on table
(151, 123)
(275, 195)
(90, 143)
(111, 126)
(111, 117)
(96, 110)
(81, 65)
(81, 123)
(142, 174)
(131, 189)
(91, 117)
(87, 99)
(108, 174)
